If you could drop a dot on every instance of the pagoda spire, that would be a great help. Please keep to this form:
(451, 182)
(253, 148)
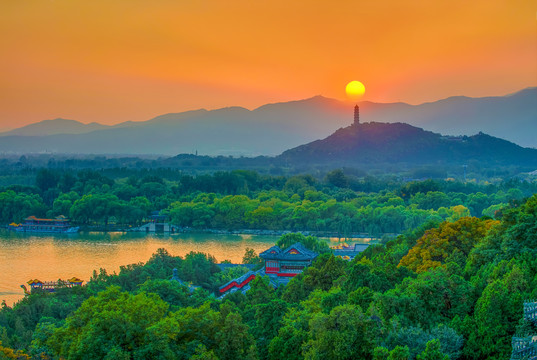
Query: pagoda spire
(356, 115)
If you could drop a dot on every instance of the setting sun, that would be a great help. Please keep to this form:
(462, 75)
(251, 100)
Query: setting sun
(355, 90)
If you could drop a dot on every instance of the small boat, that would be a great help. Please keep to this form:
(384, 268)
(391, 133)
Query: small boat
(35, 225)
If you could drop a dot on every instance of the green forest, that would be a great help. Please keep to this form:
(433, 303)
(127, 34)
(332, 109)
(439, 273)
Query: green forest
(449, 290)
(340, 203)
(447, 281)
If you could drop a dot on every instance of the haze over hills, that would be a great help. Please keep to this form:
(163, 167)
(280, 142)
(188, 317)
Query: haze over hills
(55, 126)
(268, 130)
(392, 148)
(512, 117)
(398, 143)
(274, 128)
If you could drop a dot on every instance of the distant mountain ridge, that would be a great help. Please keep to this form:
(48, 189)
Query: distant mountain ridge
(268, 130)
(273, 128)
(54, 127)
(512, 117)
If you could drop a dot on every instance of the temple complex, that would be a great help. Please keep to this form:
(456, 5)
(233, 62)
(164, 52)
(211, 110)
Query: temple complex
(280, 266)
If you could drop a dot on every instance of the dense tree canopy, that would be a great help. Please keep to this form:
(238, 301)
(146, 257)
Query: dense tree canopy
(338, 203)
(450, 286)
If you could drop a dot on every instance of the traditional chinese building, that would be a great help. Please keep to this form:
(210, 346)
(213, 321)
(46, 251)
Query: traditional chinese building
(288, 262)
(280, 266)
(356, 115)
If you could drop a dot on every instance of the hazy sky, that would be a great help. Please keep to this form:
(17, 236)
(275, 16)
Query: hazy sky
(115, 60)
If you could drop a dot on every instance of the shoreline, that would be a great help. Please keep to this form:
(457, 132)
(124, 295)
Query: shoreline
(261, 232)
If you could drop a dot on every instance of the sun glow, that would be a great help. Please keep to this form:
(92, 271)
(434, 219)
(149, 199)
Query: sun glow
(355, 90)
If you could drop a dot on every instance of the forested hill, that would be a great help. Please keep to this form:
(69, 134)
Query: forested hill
(402, 143)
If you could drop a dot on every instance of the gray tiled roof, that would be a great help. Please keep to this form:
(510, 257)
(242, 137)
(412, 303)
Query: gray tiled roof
(225, 266)
(270, 253)
(239, 280)
(352, 252)
(175, 277)
(275, 253)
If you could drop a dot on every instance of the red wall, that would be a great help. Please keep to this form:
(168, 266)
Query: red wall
(234, 283)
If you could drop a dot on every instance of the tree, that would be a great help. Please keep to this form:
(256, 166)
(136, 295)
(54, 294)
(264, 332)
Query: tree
(18, 206)
(268, 319)
(415, 339)
(234, 340)
(261, 292)
(113, 321)
(433, 297)
(345, 333)
(8, 353)
(363, 296)
(399, 353)
(203, 354)
(171, 292)
(251, 257)
(292, 336)
(187, 332)
(436, 246)
(63, 203)
(198, 268)
(96, 207)
(432, 352)
(430, 200)
(309, 242)
(381, 353)
(46, 179)
(497, 313)
(323, 277)
(337, 178)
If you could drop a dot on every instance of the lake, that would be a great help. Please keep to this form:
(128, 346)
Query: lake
(50, 257)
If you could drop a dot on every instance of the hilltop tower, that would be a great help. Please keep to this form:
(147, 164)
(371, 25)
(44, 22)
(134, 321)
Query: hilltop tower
(356, 115)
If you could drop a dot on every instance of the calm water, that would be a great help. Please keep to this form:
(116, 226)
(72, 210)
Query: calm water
(50, 257)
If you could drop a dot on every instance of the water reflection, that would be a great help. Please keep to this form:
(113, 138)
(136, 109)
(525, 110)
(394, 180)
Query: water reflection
(50, 257)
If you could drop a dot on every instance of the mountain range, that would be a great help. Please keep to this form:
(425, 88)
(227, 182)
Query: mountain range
(53, 127)
(273, 128)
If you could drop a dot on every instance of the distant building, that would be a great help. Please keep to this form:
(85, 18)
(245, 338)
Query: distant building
(349, 252)
(356, 115)
(157, 224)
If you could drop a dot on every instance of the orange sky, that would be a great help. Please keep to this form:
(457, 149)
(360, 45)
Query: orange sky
(116, 60)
